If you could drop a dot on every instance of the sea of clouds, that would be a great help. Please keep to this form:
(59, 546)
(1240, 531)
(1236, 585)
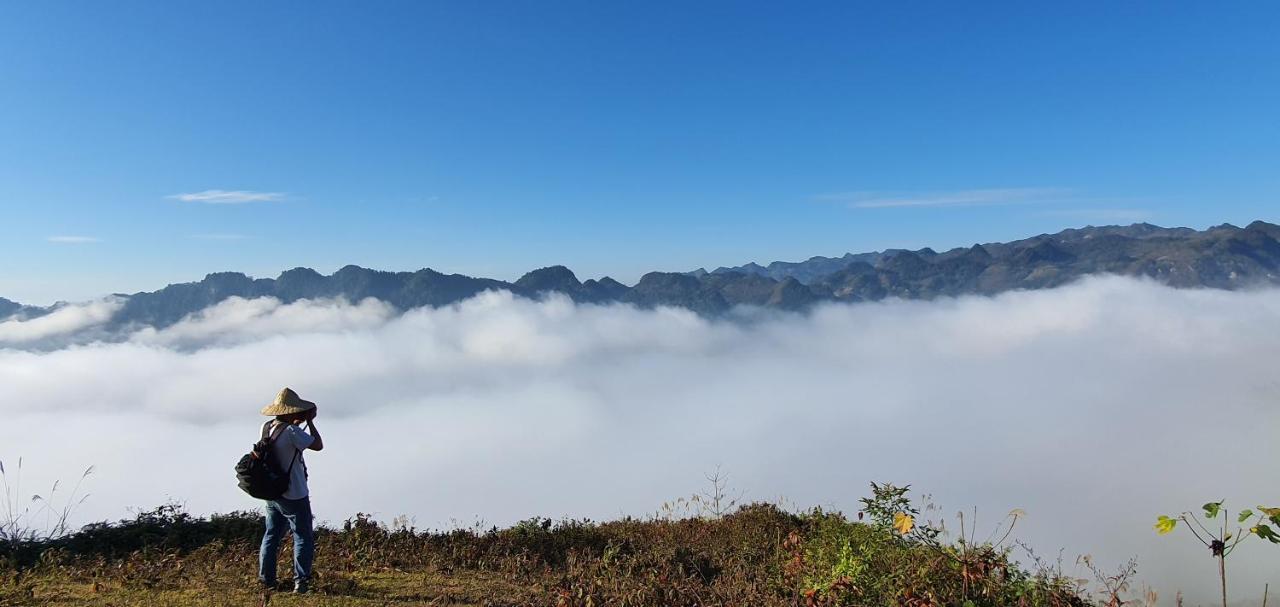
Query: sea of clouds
(1094, 407)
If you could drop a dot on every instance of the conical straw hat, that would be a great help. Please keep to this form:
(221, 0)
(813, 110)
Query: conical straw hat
(287, 403)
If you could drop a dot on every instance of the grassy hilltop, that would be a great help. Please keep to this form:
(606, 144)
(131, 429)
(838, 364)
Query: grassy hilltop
(755, 555)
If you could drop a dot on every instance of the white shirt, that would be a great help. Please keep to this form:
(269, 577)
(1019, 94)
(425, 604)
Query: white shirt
(292, 440)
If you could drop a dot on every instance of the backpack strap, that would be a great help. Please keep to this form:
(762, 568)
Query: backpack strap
(289, 472)
(275, 434)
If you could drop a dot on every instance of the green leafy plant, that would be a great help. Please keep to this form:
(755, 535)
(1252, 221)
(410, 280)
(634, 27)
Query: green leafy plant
(887, 503)
(1262, 523)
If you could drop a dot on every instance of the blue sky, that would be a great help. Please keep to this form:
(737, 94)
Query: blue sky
(491, 138)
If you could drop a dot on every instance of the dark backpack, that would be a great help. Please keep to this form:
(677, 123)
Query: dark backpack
(259, 474)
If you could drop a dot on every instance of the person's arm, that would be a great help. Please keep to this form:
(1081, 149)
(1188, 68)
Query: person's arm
(318, 443)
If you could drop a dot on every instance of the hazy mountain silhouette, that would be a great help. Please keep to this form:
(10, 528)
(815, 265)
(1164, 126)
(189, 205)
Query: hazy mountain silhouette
(1221, 257)
(8, 308)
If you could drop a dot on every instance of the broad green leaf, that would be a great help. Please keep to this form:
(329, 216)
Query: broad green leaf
(1165, 524)
(1265, 532)
(1245, 515)
(1211, 509)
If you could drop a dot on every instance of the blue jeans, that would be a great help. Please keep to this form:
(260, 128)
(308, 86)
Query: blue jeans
(297, 515)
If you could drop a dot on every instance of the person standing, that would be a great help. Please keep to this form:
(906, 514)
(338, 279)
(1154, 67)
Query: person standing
(292, 511)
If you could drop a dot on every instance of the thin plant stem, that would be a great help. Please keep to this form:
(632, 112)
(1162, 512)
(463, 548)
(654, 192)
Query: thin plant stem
(1222, 572)
(1193, 530)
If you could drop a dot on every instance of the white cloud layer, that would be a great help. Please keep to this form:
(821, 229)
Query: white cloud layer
(228, 196)
(61, 322)
(1094, 407)
(236, 320)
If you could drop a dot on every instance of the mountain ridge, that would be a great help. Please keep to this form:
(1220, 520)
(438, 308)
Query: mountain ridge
(1223, 256)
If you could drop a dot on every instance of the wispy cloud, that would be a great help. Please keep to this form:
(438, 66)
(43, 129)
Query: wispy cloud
(73, 239)
(218, 236)
(948, 198)
(228, 196)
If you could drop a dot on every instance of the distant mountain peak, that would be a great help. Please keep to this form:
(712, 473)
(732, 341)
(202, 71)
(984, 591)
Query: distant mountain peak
(978, 251)
(8, 308)
(551, 278)
(1270, 229)
(302, 271)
